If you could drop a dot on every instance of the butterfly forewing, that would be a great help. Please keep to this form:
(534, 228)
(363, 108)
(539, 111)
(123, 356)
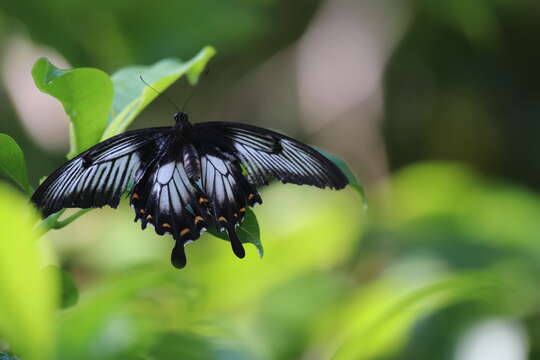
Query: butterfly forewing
(101, 174)
(266, 154)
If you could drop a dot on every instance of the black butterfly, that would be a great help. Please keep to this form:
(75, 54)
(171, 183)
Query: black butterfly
(185, 177)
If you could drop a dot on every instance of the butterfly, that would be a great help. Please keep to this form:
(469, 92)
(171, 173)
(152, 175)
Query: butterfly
(183, 178)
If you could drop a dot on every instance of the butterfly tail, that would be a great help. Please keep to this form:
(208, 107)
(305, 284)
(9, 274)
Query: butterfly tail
(236, 245)
(178, 255)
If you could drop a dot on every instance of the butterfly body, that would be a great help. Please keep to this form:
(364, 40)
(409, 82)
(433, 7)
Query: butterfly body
(183, 178)
(192, 163)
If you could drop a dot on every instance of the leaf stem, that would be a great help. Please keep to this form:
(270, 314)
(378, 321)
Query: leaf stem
(48, 223)
(70, 219)
(52, 221)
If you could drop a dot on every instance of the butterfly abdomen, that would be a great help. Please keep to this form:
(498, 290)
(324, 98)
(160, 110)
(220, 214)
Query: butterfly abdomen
(192, 163)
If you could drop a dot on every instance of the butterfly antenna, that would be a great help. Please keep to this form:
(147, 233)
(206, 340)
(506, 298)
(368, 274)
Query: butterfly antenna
(160, 93)
(204, 75)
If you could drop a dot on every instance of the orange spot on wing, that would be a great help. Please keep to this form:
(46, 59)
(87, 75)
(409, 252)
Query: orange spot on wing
(198, 219)
(166, 225)
(184, 232)
(135, 196)
(221, 218)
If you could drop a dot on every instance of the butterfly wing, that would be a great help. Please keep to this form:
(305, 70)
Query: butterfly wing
(169, 200)
(236, 158)
(101, 174)
(229, 192)
(266, 154)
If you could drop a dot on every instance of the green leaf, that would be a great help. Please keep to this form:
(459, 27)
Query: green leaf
(248, 232)
(383, 313)
(69, 295)
(342, 165)
(83, 326)
(12, 162)
(131, 95)
(28, 294)
(187, 345)
(87, 96)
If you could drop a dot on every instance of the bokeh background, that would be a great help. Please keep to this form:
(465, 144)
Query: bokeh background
(433, 104)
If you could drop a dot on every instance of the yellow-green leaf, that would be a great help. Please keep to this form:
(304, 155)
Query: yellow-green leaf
(27, 294)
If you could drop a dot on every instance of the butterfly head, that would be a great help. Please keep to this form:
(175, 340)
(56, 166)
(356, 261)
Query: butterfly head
(181, 118)
(182, 121)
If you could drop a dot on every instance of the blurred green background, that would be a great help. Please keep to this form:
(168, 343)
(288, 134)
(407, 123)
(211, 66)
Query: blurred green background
(434, 105)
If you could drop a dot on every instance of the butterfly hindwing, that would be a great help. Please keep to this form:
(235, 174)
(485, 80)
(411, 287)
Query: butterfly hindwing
(101, 174)
(230, 193)
(266, 154)
(168, 199)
